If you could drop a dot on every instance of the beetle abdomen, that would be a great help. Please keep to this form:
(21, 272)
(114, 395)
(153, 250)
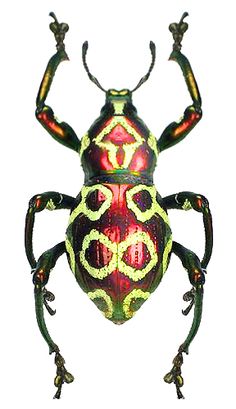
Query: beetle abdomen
(118, 243)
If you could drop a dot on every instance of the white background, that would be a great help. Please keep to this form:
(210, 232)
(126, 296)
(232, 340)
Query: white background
(117, 366)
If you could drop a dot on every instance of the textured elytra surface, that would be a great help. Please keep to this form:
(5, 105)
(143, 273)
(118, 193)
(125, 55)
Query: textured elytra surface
(118, 241)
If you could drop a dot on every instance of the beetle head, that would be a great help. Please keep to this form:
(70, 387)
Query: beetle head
(119, 99)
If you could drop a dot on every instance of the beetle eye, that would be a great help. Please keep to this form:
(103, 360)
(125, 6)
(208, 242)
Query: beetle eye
(113, 92)
(124, 92)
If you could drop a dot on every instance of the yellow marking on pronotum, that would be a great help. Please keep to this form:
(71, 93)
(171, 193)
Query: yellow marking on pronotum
(118, 107)
(136, 293)
(131, 272)
(85, 142)
(102, 294)
(112, 149)
(102, 272)
(166, 253)
(143, 216)
(118, 250)
(82, 206)
(152, 142)
(129, 150)
(71, 253)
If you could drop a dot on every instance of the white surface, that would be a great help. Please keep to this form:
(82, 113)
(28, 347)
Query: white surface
(117, 367)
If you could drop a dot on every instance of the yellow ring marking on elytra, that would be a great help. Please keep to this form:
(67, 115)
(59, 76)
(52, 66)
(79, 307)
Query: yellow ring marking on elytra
(71, 253)
(82, 206)
(166, 253)
(133, 273)
(118, 250)
(99, 293)
(136, 293)
(129, 149)
(143, 216)
(102, 272)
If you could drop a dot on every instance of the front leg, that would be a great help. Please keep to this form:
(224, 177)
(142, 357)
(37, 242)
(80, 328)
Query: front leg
(177, 131)
(187, 201)
(60, 131)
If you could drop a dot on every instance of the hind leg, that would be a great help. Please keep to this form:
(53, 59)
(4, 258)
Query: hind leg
(197, 202)
(38, 203)
(41, 275)
(196, 277)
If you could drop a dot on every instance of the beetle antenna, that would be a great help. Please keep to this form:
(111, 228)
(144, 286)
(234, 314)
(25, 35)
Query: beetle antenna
(145, 78)
(91, 77)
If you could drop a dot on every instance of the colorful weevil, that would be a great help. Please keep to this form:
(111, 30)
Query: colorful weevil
(118, 241)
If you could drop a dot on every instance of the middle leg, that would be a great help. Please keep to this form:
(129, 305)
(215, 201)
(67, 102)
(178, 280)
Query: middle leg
(187, 201)
(49, 201)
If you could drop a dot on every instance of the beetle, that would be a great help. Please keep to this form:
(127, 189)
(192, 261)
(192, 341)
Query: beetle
(118, 241)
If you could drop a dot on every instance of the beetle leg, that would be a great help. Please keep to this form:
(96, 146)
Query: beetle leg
(187, 201)
(197, 278)
(60, 131)
(177, 131)
(41, 275)
(50, 201)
